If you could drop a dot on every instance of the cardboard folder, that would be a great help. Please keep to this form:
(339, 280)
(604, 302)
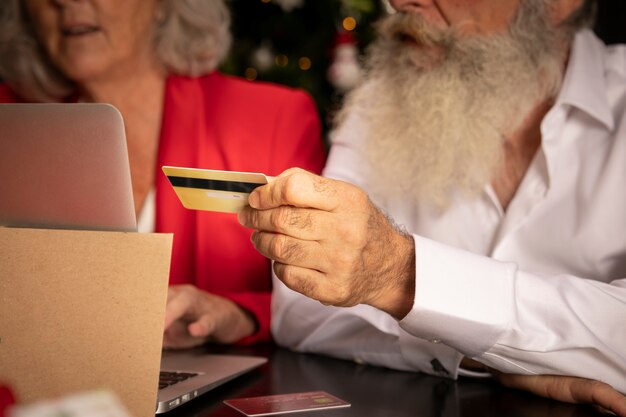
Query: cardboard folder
(82, 310)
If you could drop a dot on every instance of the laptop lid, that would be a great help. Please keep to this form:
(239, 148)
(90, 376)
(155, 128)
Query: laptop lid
(64, 166)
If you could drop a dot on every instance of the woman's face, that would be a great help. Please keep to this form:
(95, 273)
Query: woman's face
(95, 40)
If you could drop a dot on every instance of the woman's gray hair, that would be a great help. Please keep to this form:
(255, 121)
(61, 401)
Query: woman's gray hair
(191, 38)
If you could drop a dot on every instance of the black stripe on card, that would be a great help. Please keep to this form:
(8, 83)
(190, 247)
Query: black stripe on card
(219, 185)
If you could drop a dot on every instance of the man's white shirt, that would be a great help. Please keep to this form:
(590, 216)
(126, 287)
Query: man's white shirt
(538, 289)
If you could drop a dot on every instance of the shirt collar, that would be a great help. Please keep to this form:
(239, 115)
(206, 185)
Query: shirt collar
(584, 86)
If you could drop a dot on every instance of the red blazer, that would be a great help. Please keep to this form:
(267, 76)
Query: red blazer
(6, 400)
(221, 122)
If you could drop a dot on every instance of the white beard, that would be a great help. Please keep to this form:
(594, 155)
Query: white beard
(436, 114)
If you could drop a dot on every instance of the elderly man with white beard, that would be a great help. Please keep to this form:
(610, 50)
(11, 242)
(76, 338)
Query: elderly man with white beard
(472, 216)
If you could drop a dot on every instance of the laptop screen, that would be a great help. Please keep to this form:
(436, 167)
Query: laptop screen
(64, 166)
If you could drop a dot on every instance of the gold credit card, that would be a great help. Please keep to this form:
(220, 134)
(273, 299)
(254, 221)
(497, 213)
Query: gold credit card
(213, 190)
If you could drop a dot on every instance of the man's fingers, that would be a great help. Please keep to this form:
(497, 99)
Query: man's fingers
(301, 223)
(299, 188)
(580, 390)
(601, 394)
(315, 284)
(302, 280)
(288, 250)
(568, 389)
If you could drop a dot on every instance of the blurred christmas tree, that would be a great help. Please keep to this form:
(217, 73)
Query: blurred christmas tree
(295, 42)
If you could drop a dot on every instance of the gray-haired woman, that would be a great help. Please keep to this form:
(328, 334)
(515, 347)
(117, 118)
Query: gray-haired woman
(155, 60)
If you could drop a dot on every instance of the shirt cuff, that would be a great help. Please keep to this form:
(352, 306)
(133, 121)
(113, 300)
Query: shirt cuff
(462, 300)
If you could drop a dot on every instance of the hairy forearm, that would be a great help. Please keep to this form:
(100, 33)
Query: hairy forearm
(396, 298)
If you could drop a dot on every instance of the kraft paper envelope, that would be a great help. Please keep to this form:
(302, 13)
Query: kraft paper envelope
(82, 310)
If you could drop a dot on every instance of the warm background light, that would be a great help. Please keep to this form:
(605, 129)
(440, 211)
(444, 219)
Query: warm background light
(349, 23)
(251, 74)
(281, 60)
(304, 63)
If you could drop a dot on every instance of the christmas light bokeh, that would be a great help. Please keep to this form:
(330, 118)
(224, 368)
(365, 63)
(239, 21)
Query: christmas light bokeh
(302, 43)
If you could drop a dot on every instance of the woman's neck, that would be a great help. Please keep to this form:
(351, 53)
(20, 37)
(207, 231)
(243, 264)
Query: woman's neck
(139, 97)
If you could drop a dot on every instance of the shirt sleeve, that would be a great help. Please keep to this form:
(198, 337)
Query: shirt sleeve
(361, 334)
(516, 321)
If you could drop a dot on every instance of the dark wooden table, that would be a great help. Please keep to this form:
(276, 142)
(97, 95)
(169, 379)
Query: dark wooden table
(372, 391)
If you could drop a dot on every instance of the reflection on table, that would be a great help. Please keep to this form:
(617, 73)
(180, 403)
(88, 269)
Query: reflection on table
(372, 391)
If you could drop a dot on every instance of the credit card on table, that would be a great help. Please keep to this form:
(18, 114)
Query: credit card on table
(286, 403)
(213, 190)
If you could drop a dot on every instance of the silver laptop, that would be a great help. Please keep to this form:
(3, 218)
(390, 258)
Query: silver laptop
(65, 166)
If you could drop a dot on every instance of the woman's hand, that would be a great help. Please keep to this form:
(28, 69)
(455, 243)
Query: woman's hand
(194, 317)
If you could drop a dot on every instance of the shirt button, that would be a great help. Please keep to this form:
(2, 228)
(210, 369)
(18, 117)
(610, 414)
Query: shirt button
(435, 341)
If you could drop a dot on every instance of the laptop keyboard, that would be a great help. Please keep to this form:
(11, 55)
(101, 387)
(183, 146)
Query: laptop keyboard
(168, 378)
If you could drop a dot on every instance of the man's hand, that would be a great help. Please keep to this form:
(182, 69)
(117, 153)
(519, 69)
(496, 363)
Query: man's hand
(568, 389)
(330, 243)
(194, 317)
